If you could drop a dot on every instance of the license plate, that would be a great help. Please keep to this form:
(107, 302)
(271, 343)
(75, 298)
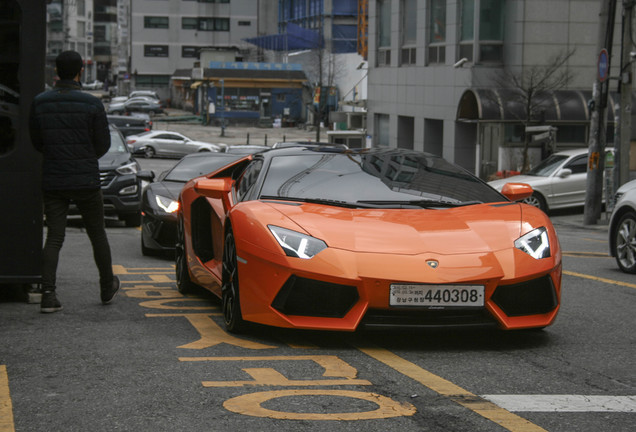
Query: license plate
(436, 295)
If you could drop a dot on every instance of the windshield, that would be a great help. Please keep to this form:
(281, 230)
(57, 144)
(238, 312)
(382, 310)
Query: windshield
(387, 177)
(547, 166)
(191, 167)
(117, 144)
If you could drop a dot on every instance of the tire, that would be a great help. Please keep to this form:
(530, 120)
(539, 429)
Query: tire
(132, 220)
(625, 243)
(536, 200)
(145, 250)
(149, 152)
(184, 283)
(231, 304)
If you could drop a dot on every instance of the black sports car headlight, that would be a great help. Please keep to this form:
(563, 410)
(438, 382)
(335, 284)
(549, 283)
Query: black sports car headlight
(166, 204)
(296, 244)
(535, 243)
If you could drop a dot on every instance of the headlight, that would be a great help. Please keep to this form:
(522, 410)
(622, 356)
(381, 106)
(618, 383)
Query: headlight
(535, 243)
(129, 168)
(167, 204)
(296, 244)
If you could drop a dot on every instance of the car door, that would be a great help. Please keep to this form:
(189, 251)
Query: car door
(569, 190)
(169, 144)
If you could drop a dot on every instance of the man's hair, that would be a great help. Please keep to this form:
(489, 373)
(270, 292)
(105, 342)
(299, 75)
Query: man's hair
(68, 64)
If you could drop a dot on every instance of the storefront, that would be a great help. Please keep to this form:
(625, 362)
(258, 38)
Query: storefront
(243, 93)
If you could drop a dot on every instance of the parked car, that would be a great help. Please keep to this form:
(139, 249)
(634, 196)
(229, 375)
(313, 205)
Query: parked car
(130, 125)
(121, 181)
(559, 181)
(342, 239)
(147, 93)
(168, 144)
(95, 85)
(313, 144)
(160, 199)
(246, 148)
(135, 105)
(622, 228)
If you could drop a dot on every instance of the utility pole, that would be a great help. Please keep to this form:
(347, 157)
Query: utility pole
(622, 147)
(596, 147)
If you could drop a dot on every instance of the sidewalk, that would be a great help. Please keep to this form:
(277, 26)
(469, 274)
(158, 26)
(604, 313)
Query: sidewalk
(235, 135)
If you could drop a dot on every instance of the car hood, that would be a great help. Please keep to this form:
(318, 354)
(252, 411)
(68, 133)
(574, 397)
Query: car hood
(167, 189)
(114, 160)
(471, 229)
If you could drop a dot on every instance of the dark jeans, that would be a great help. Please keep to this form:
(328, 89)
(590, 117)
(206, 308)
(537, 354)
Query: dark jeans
(91, 206)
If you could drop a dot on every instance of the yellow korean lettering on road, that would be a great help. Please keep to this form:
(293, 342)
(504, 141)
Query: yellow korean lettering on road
(6, 407)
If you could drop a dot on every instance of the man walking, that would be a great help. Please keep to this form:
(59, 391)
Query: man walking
(70, 129)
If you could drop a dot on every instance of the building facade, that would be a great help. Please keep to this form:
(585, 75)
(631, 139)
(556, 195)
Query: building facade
(436, 66)
(169, 35)
(69, 26)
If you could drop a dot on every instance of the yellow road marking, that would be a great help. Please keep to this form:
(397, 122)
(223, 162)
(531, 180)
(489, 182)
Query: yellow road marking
(6, 407)
(479, 405)
(333, 366)
(587, 254)
(250, 404)
(211, 333)
(599, 279)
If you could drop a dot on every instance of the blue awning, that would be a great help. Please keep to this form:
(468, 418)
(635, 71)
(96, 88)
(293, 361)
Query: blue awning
(295, 38)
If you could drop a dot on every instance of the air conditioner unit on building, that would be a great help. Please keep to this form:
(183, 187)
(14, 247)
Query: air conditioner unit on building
(197, 73)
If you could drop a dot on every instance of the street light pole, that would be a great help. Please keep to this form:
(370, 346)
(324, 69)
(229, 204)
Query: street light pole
(222, 108)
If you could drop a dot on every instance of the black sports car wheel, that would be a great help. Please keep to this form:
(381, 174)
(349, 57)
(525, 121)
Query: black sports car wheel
(537, 200)
(230, 290)
(625, 243)
(184, 283)
(149, 152)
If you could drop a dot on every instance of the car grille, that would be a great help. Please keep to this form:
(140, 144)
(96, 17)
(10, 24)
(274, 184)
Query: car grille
(532, 297)
(307, 297)
(379, 318)
(106, 177)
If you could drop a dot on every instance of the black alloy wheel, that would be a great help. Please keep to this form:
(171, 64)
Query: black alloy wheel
(184, 283)
(625, 243)
(230, 289)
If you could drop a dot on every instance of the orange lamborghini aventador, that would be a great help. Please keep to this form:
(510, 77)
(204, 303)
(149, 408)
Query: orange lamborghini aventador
(336, 239)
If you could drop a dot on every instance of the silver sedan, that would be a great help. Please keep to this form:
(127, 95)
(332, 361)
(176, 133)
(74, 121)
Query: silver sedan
(622, 228)
(171, 144)
(559, 181)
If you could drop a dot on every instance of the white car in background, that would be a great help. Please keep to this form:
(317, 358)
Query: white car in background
(559, 181)
(163, 143)
(622, 228)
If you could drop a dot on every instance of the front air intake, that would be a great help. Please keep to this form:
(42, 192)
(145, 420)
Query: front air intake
(308, 297)
(532, 297)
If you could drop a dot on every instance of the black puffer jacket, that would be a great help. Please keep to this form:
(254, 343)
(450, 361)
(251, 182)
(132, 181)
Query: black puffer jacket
(70, 129)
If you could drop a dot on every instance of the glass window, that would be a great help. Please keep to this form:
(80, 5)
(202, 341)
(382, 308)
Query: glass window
(156, 51)
(81, 7)
(437, 32)
(382, 130)
(156, 22)
(81, 29)
(409, 22)
(189, 23)
(189, 51)
(491, 20)
(384, 23)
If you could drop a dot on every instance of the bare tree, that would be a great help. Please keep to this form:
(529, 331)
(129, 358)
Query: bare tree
(530, 91)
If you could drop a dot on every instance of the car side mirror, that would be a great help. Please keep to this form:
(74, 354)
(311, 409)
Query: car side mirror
(213, 188)
(565, 172)
(516, 191)
(146, 175)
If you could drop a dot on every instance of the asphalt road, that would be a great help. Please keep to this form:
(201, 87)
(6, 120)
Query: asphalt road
(157, 361)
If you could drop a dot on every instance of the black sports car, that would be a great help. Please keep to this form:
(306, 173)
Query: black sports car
(160, 199)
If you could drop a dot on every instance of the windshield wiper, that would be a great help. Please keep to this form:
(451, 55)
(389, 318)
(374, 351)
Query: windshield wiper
(324, 201)
(419, 203)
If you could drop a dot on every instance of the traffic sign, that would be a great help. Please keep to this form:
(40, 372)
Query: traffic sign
(603, 65)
